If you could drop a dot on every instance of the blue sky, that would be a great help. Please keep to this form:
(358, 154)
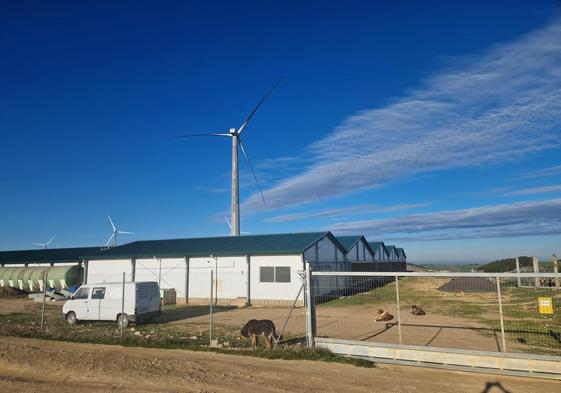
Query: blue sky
(433, 126)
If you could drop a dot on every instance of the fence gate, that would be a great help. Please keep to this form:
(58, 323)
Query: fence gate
(505, 323)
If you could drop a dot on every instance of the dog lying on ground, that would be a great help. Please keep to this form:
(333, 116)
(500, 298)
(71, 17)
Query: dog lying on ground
(416, 310)
(254, 328)
(384, 315)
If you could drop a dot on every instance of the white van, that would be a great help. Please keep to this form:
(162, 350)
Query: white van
(103, 302)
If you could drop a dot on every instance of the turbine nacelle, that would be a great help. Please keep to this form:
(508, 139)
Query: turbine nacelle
(113, 239)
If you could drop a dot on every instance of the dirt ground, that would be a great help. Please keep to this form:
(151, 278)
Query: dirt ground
(354, 322)
(31, 365)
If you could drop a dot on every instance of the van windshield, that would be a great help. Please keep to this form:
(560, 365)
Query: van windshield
(82, 293)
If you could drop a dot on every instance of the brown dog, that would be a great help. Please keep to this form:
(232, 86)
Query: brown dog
(254, 328)
(384, 315)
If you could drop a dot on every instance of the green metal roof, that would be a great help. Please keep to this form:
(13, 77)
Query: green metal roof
(289, 243)
(349, 241)
(51, 255)
(390, 249)
(376, 245)
(401, 252)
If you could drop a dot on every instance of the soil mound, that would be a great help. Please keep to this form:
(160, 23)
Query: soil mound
(9, 292)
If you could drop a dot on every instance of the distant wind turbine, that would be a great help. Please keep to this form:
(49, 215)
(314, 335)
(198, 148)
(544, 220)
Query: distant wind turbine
(45, 245)
(235, 135)
(114, 234)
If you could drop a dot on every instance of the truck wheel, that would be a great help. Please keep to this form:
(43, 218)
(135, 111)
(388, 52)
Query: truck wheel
(123, 320)
(71, 318)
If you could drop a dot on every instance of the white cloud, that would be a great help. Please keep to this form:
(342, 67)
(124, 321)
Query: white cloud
(362, 209)
(535, 190)
(545, 172)
(504, 220)
(501, 106)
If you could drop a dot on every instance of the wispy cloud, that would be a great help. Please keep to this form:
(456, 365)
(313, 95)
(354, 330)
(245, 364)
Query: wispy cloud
(505, 220)
(500, 106)
(535, 190)
(545, 172)
(362, 209)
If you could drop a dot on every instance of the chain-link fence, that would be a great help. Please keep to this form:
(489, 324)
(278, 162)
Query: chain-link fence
(486, 312)
(179, 322)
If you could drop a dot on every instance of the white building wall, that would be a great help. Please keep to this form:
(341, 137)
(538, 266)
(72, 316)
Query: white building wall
(109, 270)
(230, 279)
(276, 290)
(168, 272)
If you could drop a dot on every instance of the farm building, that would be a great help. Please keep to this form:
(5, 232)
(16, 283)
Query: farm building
(248, 269)
(401, 254)
(358, 249)
(392, 253)
(28, 269)
(380, 252)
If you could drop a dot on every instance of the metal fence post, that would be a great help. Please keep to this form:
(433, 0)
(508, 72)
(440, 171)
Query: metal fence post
(518, 271)
(398, 308)
(123, 307)
(536, 263)
(309, 308)
(211, 296)
(503, 341)
(44, 300)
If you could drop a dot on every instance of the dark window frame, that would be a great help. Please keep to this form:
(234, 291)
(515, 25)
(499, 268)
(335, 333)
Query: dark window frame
(270, 274)
(102, 293)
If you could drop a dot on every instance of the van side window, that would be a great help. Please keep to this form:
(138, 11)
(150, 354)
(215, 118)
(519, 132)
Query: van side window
(98, 293)
(154, 292)
(82, 293)
(142, 292)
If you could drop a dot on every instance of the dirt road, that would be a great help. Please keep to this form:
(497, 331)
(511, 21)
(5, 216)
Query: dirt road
(29, 365)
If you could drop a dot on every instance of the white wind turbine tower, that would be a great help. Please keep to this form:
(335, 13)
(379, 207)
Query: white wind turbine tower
(114, 234)
(235, 135)
(45, 245)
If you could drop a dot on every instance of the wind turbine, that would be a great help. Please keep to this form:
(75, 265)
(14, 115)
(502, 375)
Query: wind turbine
(45, 245)
(235, 135)
(114, 234)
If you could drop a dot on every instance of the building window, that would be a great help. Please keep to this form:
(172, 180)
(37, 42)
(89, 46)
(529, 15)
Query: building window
(267, 274)
(274, 274)
(282, 274)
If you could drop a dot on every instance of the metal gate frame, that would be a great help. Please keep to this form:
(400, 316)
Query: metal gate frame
(516, 364)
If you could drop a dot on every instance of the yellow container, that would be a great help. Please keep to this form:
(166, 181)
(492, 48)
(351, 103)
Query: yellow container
(545, 305)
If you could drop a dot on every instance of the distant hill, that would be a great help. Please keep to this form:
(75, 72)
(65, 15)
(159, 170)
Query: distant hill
(506, 265)
(411, 267)
(456, 268)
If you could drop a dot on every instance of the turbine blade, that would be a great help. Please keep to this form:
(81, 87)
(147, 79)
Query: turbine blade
(111, 221)
(228, 222)
(242, 127)
(111, 238)
(39, 244)
(252, 171)
(50, 240)
(192, 135)
(126, 233)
